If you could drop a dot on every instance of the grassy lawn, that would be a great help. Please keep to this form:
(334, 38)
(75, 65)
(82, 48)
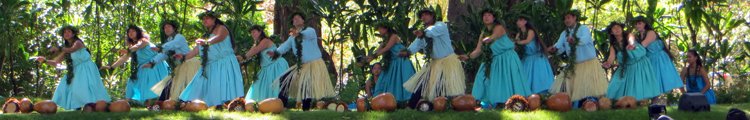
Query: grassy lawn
(718, 112)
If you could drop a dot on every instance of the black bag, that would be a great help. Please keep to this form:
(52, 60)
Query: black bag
(694, 102)
(736, 114)
(654, 111)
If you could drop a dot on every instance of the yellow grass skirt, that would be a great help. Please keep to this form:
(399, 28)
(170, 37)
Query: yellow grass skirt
(589, 80)
(184, 73)
(441, 77)
(312, 80)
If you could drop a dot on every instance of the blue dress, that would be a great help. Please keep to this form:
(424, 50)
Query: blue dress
(222, 81)
(139, 89)
(506, 78)
(86, 85)
(270, 69)
(638, 78)
(537, 68)
(392, 79)
(665, 71)
(695, 85)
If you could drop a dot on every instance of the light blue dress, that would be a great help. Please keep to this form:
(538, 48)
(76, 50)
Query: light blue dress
(86, 85)
(139, 89)
(506, 78)
(222, 81)
(695, 85)
(441, 38)
(270, 69)
(665, 71)
(638, 78)
(392, 79)
(537, 68)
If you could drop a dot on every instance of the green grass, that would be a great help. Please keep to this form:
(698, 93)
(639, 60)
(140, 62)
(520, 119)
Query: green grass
(718, 112)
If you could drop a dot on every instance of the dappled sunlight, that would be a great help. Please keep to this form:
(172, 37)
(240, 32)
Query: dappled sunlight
(533, 115)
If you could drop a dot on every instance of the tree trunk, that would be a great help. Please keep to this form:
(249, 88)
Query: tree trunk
(456, 10)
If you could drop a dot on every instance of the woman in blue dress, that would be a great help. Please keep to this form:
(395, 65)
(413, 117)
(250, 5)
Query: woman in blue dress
(82, 84)
(500, 76)
(219, 80)
(661, 59)
(397, 70)
(695, 77)
(535, 62)
(634, 75)
(142, 78)
(270, 68)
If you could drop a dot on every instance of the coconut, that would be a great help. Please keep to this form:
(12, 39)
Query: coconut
(559, 102)
(271, 105)
(439, 103)
(250, 107)
(464, 103)
(361, 104)
(341, 107)
(45, 107)
(119, 106)
(11, 106)
(321, 105)
(100, 106)
(384, 102)
(169, 104)
(195, 106)
(535, 101)
(26, 106)
(590, 105)
(89, 107)
(605, 103)
(627, 102)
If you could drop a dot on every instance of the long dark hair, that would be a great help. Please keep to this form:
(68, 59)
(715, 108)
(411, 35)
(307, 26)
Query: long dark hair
(619, 46)
(164, 36)
(529, 27)
(262, 36)
(68, 57)
(648, 27)
(259, 28)
(692, 71)
(217, 22)
(486, 51)
(134, 56)
(386, 38)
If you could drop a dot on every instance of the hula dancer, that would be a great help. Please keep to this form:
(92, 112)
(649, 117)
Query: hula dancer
(263, 87)
(82, 84)
(696, 79)
(583, 75)
(658, 52)
(375, 72)
(634, 75)
(443, 75)
(173, 50)
(535, 62)
(309, 79)
(500, 75)
(219, 80)
(397, 69)
(144, 74)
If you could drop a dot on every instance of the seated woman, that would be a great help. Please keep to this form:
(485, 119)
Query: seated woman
(695, 77)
